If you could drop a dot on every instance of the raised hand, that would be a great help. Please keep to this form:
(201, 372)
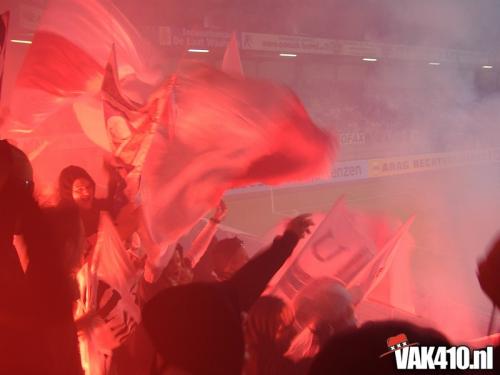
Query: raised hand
(220, 212)
(300, 225)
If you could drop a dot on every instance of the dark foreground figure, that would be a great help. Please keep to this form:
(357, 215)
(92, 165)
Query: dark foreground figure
(37, 333)
(197, 328)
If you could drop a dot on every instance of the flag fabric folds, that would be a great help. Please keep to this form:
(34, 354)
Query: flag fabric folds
(338, 248)
(107, 284)
(68, 55)
(353, 247)
(228, 132)
(370, 276)
(111, 262)
(129, 125)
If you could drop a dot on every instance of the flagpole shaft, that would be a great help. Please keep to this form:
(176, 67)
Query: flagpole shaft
(272, 200)
(492, 320)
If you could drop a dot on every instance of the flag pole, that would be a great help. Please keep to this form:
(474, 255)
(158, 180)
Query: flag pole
(4, 29)
(491, 325)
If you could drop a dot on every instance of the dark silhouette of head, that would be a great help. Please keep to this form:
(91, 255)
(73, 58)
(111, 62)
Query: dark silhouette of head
(228, 256)
(16, 188)
(488, 273)
(358, 350)
(196, 328)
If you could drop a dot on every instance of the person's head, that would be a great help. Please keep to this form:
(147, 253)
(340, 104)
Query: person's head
(196, 328)
(488, 273)
(228, 256)
(326, 305)
(76, 187)
(178, 270)
(322, 308)
(270, 322)
(16, 187)
(358, 350)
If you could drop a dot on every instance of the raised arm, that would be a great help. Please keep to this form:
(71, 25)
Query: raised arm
(201, 242)
(116, 198)
(251, 280)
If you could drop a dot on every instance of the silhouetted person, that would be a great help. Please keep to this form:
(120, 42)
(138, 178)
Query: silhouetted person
(222, 259)
(16, 187)
(197, 328)
(358, 350)
(489, 279)
(489, 274)
(37, 332)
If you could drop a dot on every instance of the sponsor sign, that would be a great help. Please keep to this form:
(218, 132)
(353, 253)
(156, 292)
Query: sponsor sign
(427, 162)
(182, 37)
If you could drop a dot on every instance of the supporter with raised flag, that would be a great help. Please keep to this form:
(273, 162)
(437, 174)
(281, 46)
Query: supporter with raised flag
(107, 311)
(228, 132)
(354, 247)
(197, 328)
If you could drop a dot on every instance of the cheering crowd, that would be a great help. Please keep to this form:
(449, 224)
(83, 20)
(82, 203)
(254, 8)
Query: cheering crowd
(110, 285)
(204, 314)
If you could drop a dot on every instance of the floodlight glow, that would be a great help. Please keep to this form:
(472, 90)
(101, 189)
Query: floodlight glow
(194, 50)
(20, 41)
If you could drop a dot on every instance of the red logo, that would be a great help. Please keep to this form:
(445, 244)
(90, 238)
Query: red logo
(397, 342)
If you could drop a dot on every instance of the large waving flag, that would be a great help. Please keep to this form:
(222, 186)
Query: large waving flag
(342, 246)
(119, 125)
(129, 126)
(4, 27)
(228, 132)
(69, 52)
(370, 276)
(338, 248)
